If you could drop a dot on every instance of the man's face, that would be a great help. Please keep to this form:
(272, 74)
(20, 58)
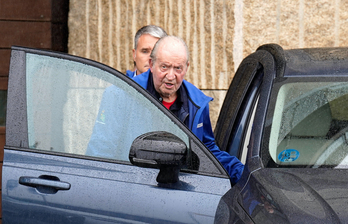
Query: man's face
(141, 55)
(169, 69)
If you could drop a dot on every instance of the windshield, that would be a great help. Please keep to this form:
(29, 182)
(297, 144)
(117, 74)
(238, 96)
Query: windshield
(310, 125)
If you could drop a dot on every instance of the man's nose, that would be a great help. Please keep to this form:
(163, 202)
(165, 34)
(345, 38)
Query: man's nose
(170, 74)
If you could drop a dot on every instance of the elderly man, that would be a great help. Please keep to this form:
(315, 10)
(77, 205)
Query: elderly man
(144, 40)
(169, 62)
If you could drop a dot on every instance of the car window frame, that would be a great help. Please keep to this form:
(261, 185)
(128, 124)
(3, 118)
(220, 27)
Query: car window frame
(260, 61)
(238, 138)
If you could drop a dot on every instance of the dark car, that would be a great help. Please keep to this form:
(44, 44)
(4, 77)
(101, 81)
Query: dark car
(284, 116)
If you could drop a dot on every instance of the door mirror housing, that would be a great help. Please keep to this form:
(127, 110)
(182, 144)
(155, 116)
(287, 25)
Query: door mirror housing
(161, 150)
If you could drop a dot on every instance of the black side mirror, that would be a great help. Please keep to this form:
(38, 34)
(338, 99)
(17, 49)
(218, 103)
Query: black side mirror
(161, 150)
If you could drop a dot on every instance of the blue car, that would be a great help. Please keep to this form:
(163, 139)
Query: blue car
(284, 117)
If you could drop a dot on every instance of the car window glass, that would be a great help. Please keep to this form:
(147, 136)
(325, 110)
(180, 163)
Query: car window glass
(80, 109)
(248, 134)
(310, 125)
(240, 134)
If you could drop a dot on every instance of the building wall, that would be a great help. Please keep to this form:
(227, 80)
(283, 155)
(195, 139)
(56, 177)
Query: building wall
(219, 33)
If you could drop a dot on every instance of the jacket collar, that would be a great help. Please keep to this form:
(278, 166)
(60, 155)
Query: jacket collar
(180, 107)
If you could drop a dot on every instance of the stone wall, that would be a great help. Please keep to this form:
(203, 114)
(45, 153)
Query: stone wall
(219, 33)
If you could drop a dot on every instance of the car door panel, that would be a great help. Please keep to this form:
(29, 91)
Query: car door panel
(106, 185)
(48, 174)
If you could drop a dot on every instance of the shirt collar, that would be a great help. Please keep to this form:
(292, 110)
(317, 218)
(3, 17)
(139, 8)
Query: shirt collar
(134, 73)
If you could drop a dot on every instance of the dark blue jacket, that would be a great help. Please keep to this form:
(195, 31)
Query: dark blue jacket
(199, 124)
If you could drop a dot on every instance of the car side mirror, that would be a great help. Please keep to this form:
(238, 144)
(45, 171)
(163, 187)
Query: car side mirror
(161, 150)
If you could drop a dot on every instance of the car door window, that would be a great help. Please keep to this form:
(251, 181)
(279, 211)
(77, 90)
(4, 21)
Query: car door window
(79, 109)
(245, 143)
(83, 110)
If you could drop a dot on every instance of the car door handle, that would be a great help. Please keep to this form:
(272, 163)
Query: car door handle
(43, 182)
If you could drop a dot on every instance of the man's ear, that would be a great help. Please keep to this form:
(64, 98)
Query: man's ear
(187, 66)
(134, 55)
(150, 64)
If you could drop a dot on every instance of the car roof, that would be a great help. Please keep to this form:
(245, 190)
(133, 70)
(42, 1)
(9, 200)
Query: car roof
(309, 62)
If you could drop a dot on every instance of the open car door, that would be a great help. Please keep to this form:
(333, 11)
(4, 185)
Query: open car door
(71, 123)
